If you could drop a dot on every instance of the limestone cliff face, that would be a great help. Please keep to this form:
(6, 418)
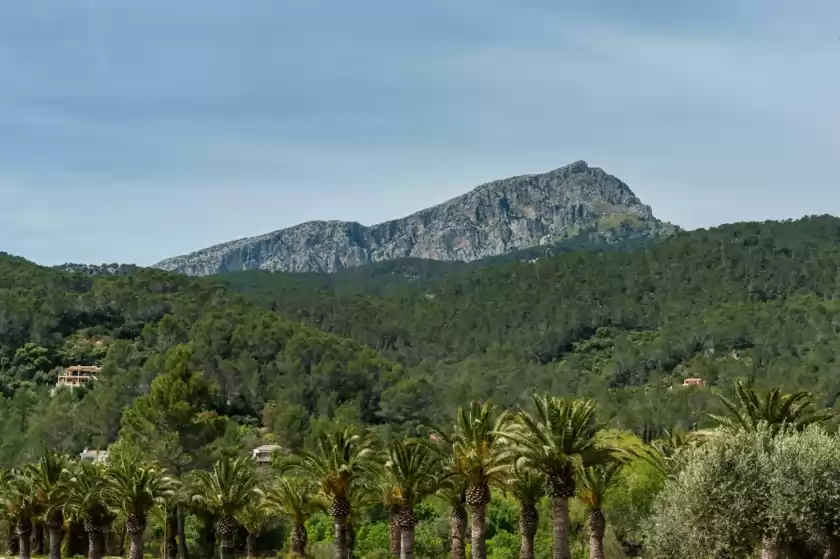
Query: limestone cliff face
(494, 218)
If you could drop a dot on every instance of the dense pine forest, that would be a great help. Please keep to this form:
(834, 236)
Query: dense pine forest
(751, 300)
(196, 373)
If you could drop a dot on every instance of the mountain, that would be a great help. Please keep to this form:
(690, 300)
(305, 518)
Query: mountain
(575, 201)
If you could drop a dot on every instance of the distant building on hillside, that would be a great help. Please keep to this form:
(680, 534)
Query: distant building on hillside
(265, 453)
(694, 382)
(77, 375)
(94, 456)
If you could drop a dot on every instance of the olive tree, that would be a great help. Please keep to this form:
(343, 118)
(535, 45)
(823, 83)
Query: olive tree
(774, 491)
(804, 505)
(715, 506)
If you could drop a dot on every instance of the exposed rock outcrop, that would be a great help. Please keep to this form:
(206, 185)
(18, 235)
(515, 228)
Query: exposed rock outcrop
(492, 219)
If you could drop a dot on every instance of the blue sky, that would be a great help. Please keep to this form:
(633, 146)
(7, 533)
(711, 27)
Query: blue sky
(135, 130)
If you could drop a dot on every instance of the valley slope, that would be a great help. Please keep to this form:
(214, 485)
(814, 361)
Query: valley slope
(403, 343)
(749, 300)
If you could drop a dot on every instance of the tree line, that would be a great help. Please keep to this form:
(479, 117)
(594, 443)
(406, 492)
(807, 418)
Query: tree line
(763, 479)
(555, 449)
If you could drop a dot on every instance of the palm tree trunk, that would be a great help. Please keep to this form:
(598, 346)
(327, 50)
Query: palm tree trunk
(170, 542)
(394, 532)
(227, 547)
(526, 547)
(77, 541)
(251, 546)
(351, 540)
(407, 542)
(479, 528)
(528, 520)
(136, 549)
(207, 535)
(25, 546)
(24, 533)
(596, 524)
(56, 535)
(12, 540)
(182, 533)
(560, 519)
(95, 545)
(833, 551)
(770, 548)
(38, 539)
(299, 538)
(458, 535)
(341, 551)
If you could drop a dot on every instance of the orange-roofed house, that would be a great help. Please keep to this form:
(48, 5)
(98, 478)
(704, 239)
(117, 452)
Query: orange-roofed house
(694, 382)
(77, 375)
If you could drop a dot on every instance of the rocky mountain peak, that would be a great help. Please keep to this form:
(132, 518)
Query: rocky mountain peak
(492, 219)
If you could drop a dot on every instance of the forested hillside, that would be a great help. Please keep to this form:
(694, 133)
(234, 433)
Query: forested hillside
(194, 370)
(406, 343)
(142, 325)
(747, 300)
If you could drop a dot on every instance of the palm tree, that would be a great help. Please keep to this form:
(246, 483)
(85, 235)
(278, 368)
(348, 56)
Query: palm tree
(479, 457)
(559, 435)
(51, 477)
(135, 489)
(337, 464)
(255, 517)
(21, 503)
(663, 452)
(226, 490)
(384, 491)
(296, 498)
(12, 542)
(87, 501)
(775, 408)
(594, 483)
(360, 501)
(415, 473)
(454, 492)
(527, 487)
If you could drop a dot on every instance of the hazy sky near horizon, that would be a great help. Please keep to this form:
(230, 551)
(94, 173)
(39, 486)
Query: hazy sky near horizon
(135, 130)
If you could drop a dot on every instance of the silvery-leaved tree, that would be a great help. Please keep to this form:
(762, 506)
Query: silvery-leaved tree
(743, 488)
(773, 411)
(715, 504)
(804, 504)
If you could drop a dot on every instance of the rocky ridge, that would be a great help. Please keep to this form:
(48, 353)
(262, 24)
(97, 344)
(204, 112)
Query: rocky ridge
(493, 219)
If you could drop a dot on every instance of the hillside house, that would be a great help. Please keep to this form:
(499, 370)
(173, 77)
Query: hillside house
(77, 375)
(694, 382)
(264, 454)
(94, 456)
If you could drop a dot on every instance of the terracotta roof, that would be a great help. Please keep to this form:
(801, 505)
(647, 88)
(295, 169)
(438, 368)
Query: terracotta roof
(84, 369)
